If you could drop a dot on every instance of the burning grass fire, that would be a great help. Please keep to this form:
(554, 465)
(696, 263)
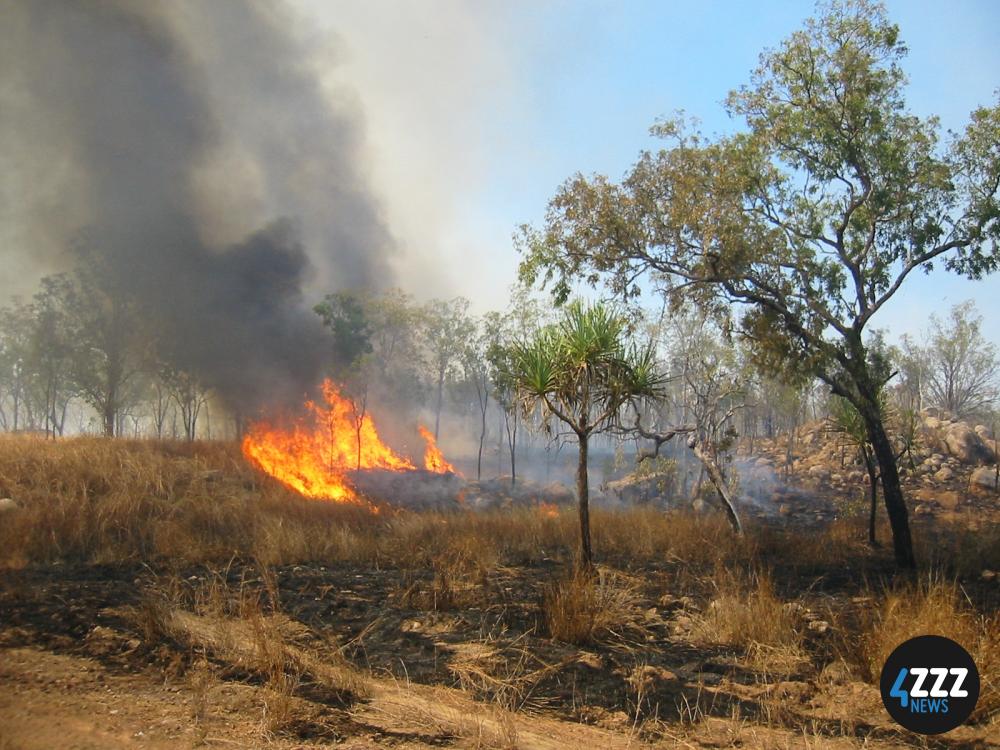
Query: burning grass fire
(434, 459)
(313, 456)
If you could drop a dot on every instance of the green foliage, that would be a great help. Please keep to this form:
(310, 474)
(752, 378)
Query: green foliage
(344, 314)
(584, 369)
(446, 331)
(813, 217)
(847, 422)
(662, 473)
(376, 343)
(961, 365)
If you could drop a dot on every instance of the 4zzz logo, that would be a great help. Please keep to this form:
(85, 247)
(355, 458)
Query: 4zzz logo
(921, 700)
(930, 684)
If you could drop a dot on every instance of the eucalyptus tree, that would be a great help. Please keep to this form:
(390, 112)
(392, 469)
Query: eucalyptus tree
(346, 314)
(710, 386)
(584, 370)
(16, 325)
(112, 347)
(446, 329)
(52, 352)
(961, 365)
(809, 220)
(476, 369)
(188, 394)
(395, 320)
(522, 318)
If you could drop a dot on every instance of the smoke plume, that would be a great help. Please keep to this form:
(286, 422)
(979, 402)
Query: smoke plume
(195, 149)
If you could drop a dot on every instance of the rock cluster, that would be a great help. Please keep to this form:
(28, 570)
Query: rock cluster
(947, 452)
(969, 444)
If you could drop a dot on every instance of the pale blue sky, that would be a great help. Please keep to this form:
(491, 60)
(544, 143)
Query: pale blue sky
(478, 112)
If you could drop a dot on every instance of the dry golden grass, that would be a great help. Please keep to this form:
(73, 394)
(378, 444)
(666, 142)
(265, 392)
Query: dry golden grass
(589, 606)
(173, 505)
(98, 501)
(931, 607)
(746, 612)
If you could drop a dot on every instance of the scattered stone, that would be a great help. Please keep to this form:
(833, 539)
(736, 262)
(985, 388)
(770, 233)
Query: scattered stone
(836, 673)
(965, 445)
(985, 476)
(944, 474)
(948, 499)
(988, 575)
(647, 677)
(102, 641)
(709, 678)
(7, 504)
(791, 690)
(793, 608)
(682, 624)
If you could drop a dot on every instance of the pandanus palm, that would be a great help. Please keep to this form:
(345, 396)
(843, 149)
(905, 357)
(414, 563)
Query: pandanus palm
(584, 370)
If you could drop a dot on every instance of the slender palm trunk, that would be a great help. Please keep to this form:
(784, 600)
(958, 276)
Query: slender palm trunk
(583, 498)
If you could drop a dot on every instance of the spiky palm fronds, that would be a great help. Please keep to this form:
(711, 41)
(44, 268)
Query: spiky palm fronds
(584, 369)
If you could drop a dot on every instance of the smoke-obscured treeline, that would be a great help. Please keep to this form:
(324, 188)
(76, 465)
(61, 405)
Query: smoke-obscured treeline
(76, 358)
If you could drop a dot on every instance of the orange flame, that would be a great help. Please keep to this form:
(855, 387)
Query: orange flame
(314, 456)
(434, 459)
(549, 510)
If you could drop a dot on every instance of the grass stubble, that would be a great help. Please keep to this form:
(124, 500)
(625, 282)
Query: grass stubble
(667, 581)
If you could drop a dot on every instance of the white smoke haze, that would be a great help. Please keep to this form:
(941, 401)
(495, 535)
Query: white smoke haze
(437, 83)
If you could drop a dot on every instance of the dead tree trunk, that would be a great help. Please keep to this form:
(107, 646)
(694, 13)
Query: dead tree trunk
(709, 463)
(718, 480)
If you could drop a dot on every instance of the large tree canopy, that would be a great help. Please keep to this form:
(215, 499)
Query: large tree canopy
(811, 218)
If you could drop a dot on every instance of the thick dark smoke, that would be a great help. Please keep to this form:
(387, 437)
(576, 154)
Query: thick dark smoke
(195, 147)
